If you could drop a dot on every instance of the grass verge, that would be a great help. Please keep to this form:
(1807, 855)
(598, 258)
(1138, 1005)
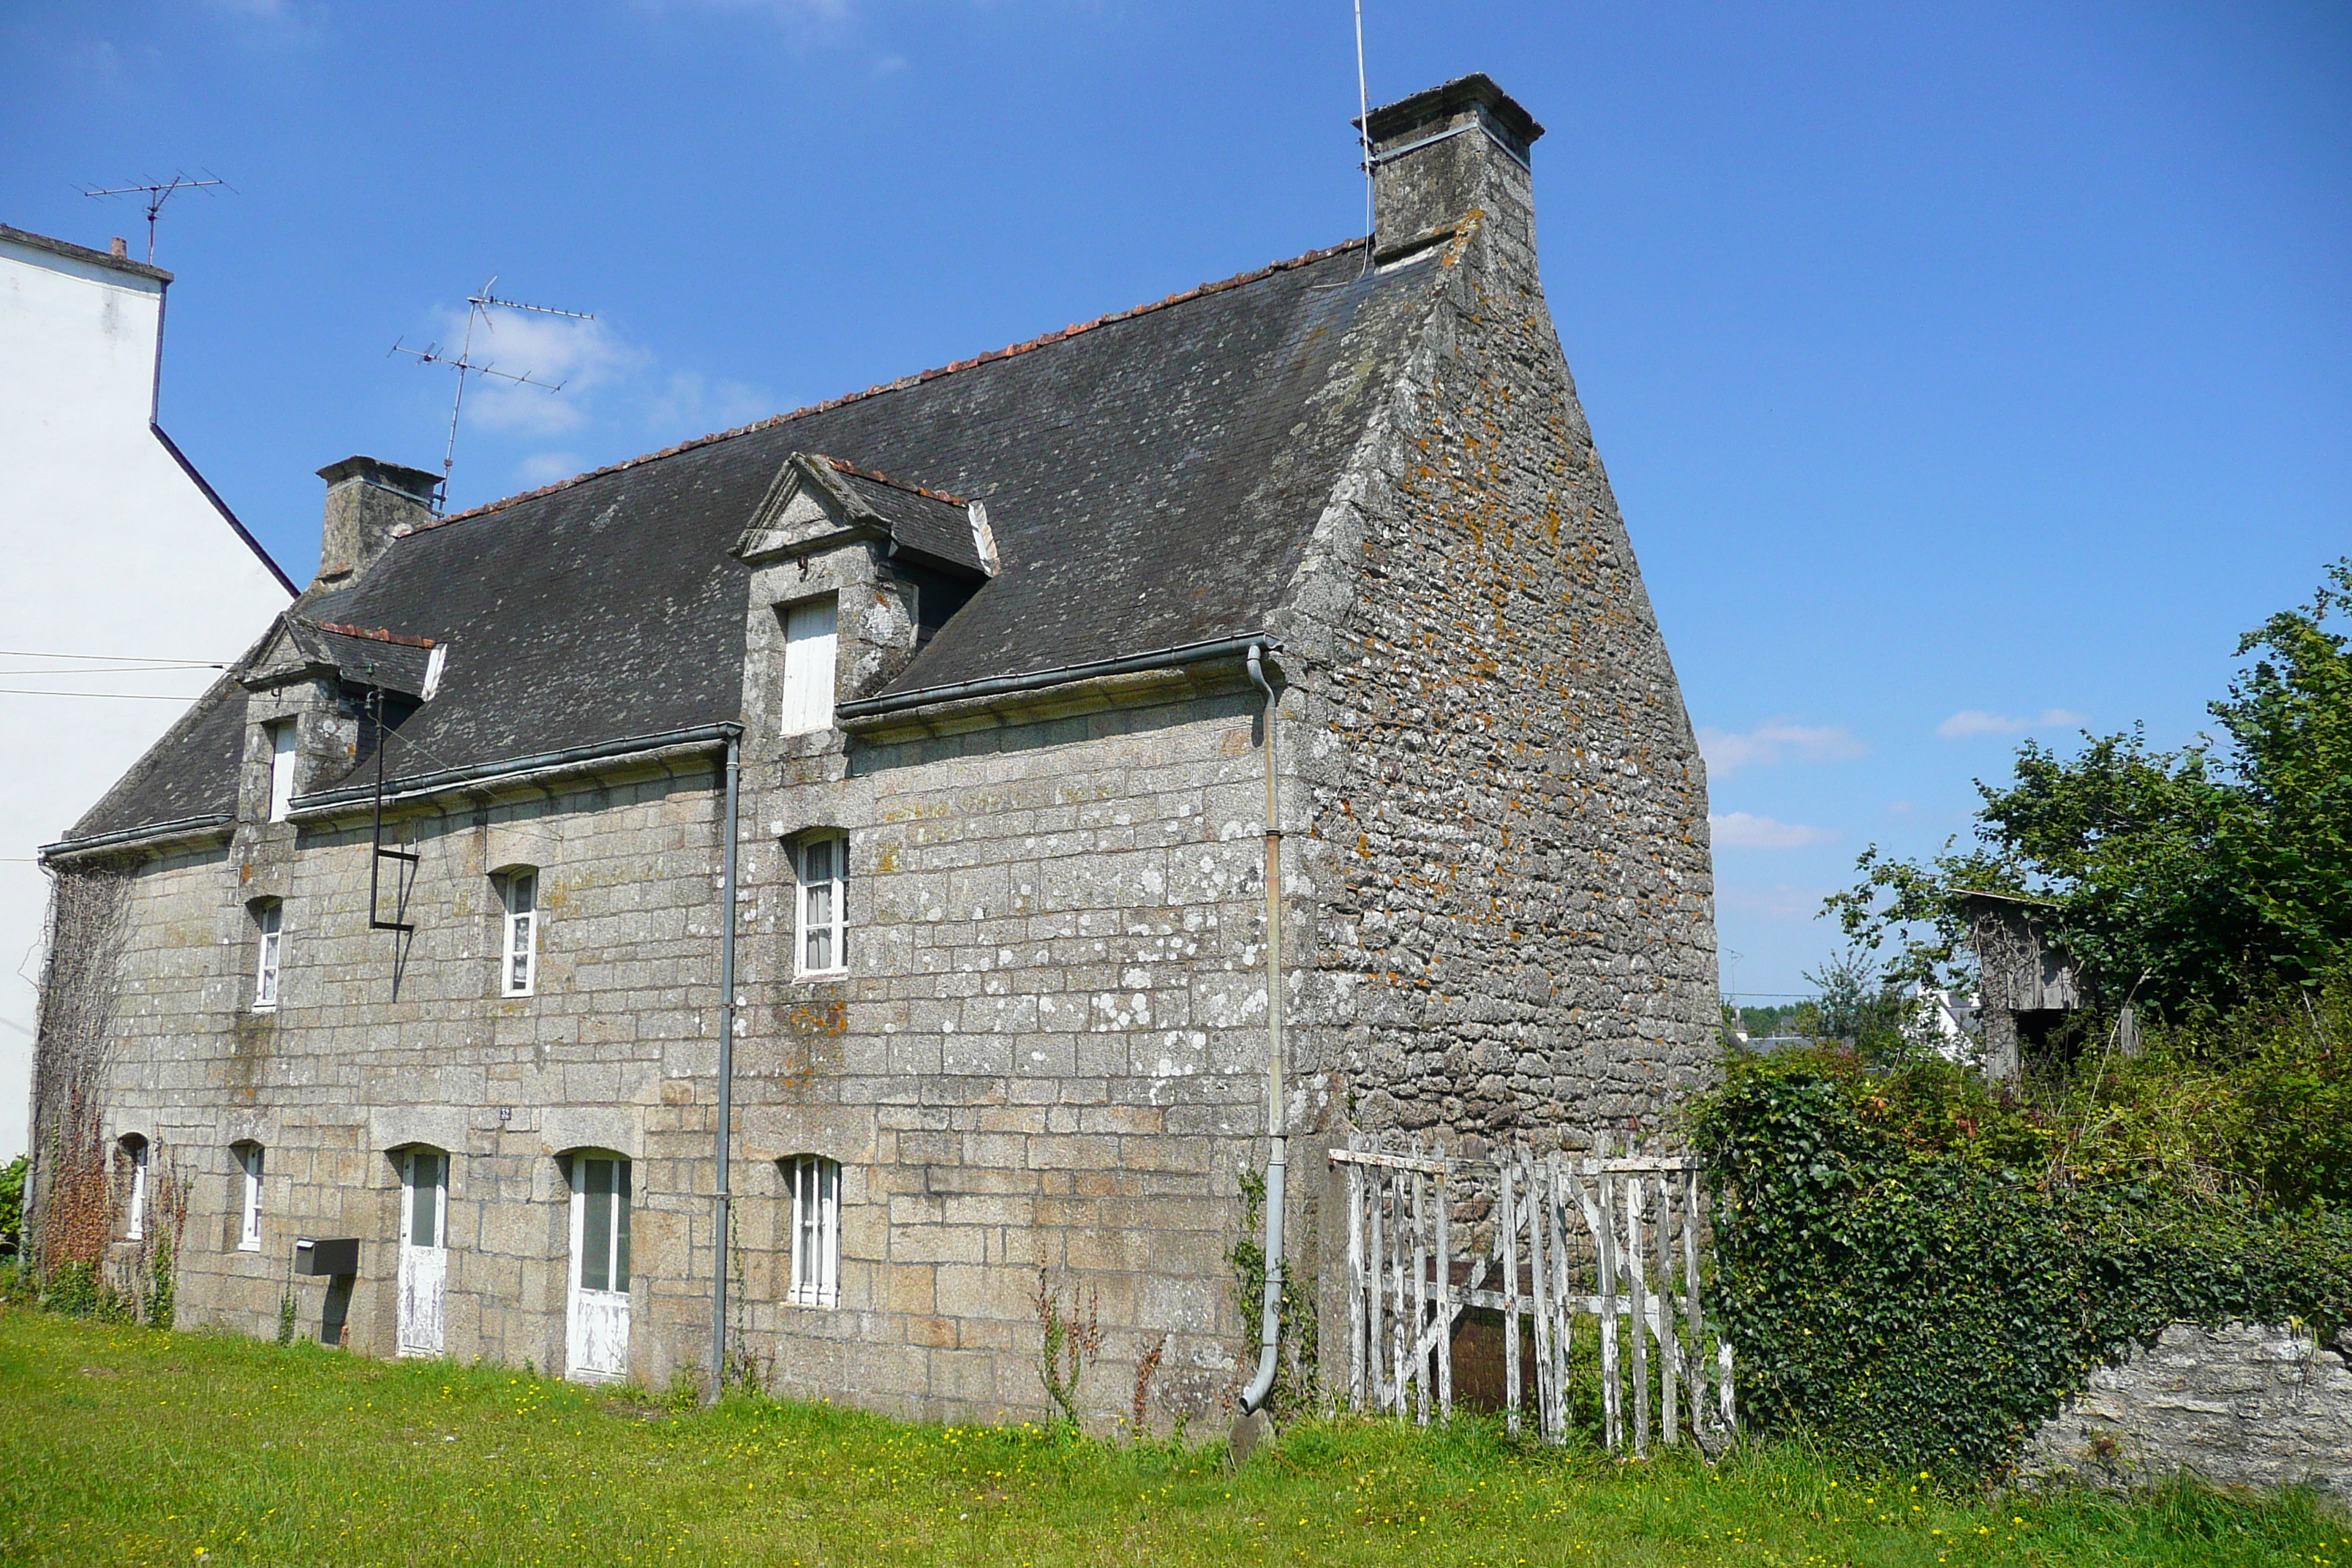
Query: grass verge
(124, 1445)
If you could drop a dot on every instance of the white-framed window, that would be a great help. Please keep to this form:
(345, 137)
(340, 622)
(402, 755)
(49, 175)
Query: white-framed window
(600, 1218)
(810, 637)
(248, 1188)
(269, 943)
(134, 1202)
(815, 1184)
(518, 949)
(281, 769)
(821, 933)
(424, 1174)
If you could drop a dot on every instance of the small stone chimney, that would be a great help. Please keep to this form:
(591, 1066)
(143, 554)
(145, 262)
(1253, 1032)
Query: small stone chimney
(367, 499)
(1441, 152)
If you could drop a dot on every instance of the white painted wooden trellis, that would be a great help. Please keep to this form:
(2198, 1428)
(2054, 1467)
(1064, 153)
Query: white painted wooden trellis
(1612, 1240)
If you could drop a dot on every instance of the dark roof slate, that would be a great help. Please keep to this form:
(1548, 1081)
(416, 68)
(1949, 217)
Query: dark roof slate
(925, 521)
(1150, 479)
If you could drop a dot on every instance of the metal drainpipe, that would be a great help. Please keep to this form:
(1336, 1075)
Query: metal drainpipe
(1254, 1397)
(726, 1073)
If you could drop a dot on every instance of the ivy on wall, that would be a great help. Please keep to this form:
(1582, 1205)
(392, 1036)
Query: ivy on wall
(1928, 1306)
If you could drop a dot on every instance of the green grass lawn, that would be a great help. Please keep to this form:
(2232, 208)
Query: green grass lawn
(122, 1445)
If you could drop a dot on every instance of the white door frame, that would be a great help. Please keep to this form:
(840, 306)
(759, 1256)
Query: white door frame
(597, 1318)
(424, 1266)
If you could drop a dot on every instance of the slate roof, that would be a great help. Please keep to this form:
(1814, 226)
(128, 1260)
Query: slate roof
(1151, 478)
(938, 525)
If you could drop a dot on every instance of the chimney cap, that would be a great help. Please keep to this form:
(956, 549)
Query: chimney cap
(1477, 90)
(416, 482)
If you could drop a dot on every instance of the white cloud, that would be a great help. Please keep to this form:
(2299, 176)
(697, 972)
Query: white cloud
(1776, 741)
(1971, 721)
(546, 468)
(1779, 902)
(1740, 830)
(694, 404)
(580, 357)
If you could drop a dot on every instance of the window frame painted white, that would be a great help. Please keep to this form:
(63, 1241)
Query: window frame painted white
(269, 953)
(811, 645)
(814, 1183)
(423, 1264)
(518, 932)
(134, 1150)
(283, 756)
(597, 1341)
(251, 1161)
(830, 892)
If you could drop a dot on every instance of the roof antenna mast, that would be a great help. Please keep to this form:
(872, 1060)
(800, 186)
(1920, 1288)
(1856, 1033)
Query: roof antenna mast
(1364, 128)
(477, 311)
(157, 195)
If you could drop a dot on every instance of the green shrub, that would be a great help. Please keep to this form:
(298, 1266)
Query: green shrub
(1915, 1270)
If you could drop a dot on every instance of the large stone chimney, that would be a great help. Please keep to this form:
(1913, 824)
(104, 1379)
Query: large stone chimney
(367, 499)
(1441, 152)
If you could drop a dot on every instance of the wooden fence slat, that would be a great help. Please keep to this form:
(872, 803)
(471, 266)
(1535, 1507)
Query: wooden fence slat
(1546, 1396)
(1612, 1408)
(1420, 1298)
(1356, 1290)
(1507, 1222)
(1444, 1325)
(1636, 1212)
(1669, 1341)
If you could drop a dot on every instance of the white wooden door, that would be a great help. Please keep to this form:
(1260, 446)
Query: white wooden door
(423, 1249)
(598, 1347)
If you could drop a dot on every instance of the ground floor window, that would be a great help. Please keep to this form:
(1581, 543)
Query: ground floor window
(248, 1188)
(135, 1201)
(815, 1184)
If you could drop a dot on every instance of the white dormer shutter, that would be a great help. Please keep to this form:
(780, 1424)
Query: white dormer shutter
(281, 769)
(809, 632)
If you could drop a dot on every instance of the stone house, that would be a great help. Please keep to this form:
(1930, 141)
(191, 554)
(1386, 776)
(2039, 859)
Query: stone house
(412, 932)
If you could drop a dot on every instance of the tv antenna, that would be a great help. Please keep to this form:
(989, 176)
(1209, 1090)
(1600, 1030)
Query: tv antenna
(477, 311)
(157, 195)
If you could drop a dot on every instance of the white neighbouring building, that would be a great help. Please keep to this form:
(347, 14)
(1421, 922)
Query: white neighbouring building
(117, 553)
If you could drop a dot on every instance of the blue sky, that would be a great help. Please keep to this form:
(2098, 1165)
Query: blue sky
(1963, 373)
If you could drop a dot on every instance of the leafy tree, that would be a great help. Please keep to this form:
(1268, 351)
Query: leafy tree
(12, 1203)
(2190, 879)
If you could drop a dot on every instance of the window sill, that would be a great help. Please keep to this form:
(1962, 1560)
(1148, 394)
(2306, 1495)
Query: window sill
(819, 977)
(263, 1009)
(248, 1247)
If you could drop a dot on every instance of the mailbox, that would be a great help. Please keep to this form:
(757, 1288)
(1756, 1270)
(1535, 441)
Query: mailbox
(337, 1256)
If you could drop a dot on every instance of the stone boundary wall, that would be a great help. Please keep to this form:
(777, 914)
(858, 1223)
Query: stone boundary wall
(2249, 1404)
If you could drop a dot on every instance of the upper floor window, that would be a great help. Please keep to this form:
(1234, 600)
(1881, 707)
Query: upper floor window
(809, 639)
(519, 951)
(269, 931)
(816, 1181)
(134, 1203)
(821, 870)
(281, 769)
(248, 1189)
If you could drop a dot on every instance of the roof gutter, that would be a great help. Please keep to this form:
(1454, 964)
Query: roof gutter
(140, 838)
(1061, 675)
(701, 739)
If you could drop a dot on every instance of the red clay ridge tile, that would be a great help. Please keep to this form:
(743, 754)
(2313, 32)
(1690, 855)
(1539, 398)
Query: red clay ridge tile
(905, 381)
(379, 635)
(896, 484)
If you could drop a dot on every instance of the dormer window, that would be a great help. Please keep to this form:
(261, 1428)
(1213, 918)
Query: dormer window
(519, 953)
(281, 769)
(810, 634)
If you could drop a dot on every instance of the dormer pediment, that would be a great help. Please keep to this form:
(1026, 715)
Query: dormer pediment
(298, 649)
(818, 503)
(808, 509)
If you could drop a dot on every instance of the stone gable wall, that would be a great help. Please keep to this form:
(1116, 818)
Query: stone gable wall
(1508, 809)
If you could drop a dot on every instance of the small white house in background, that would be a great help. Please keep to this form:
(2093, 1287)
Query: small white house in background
(1948, 1021)
(120, 562)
